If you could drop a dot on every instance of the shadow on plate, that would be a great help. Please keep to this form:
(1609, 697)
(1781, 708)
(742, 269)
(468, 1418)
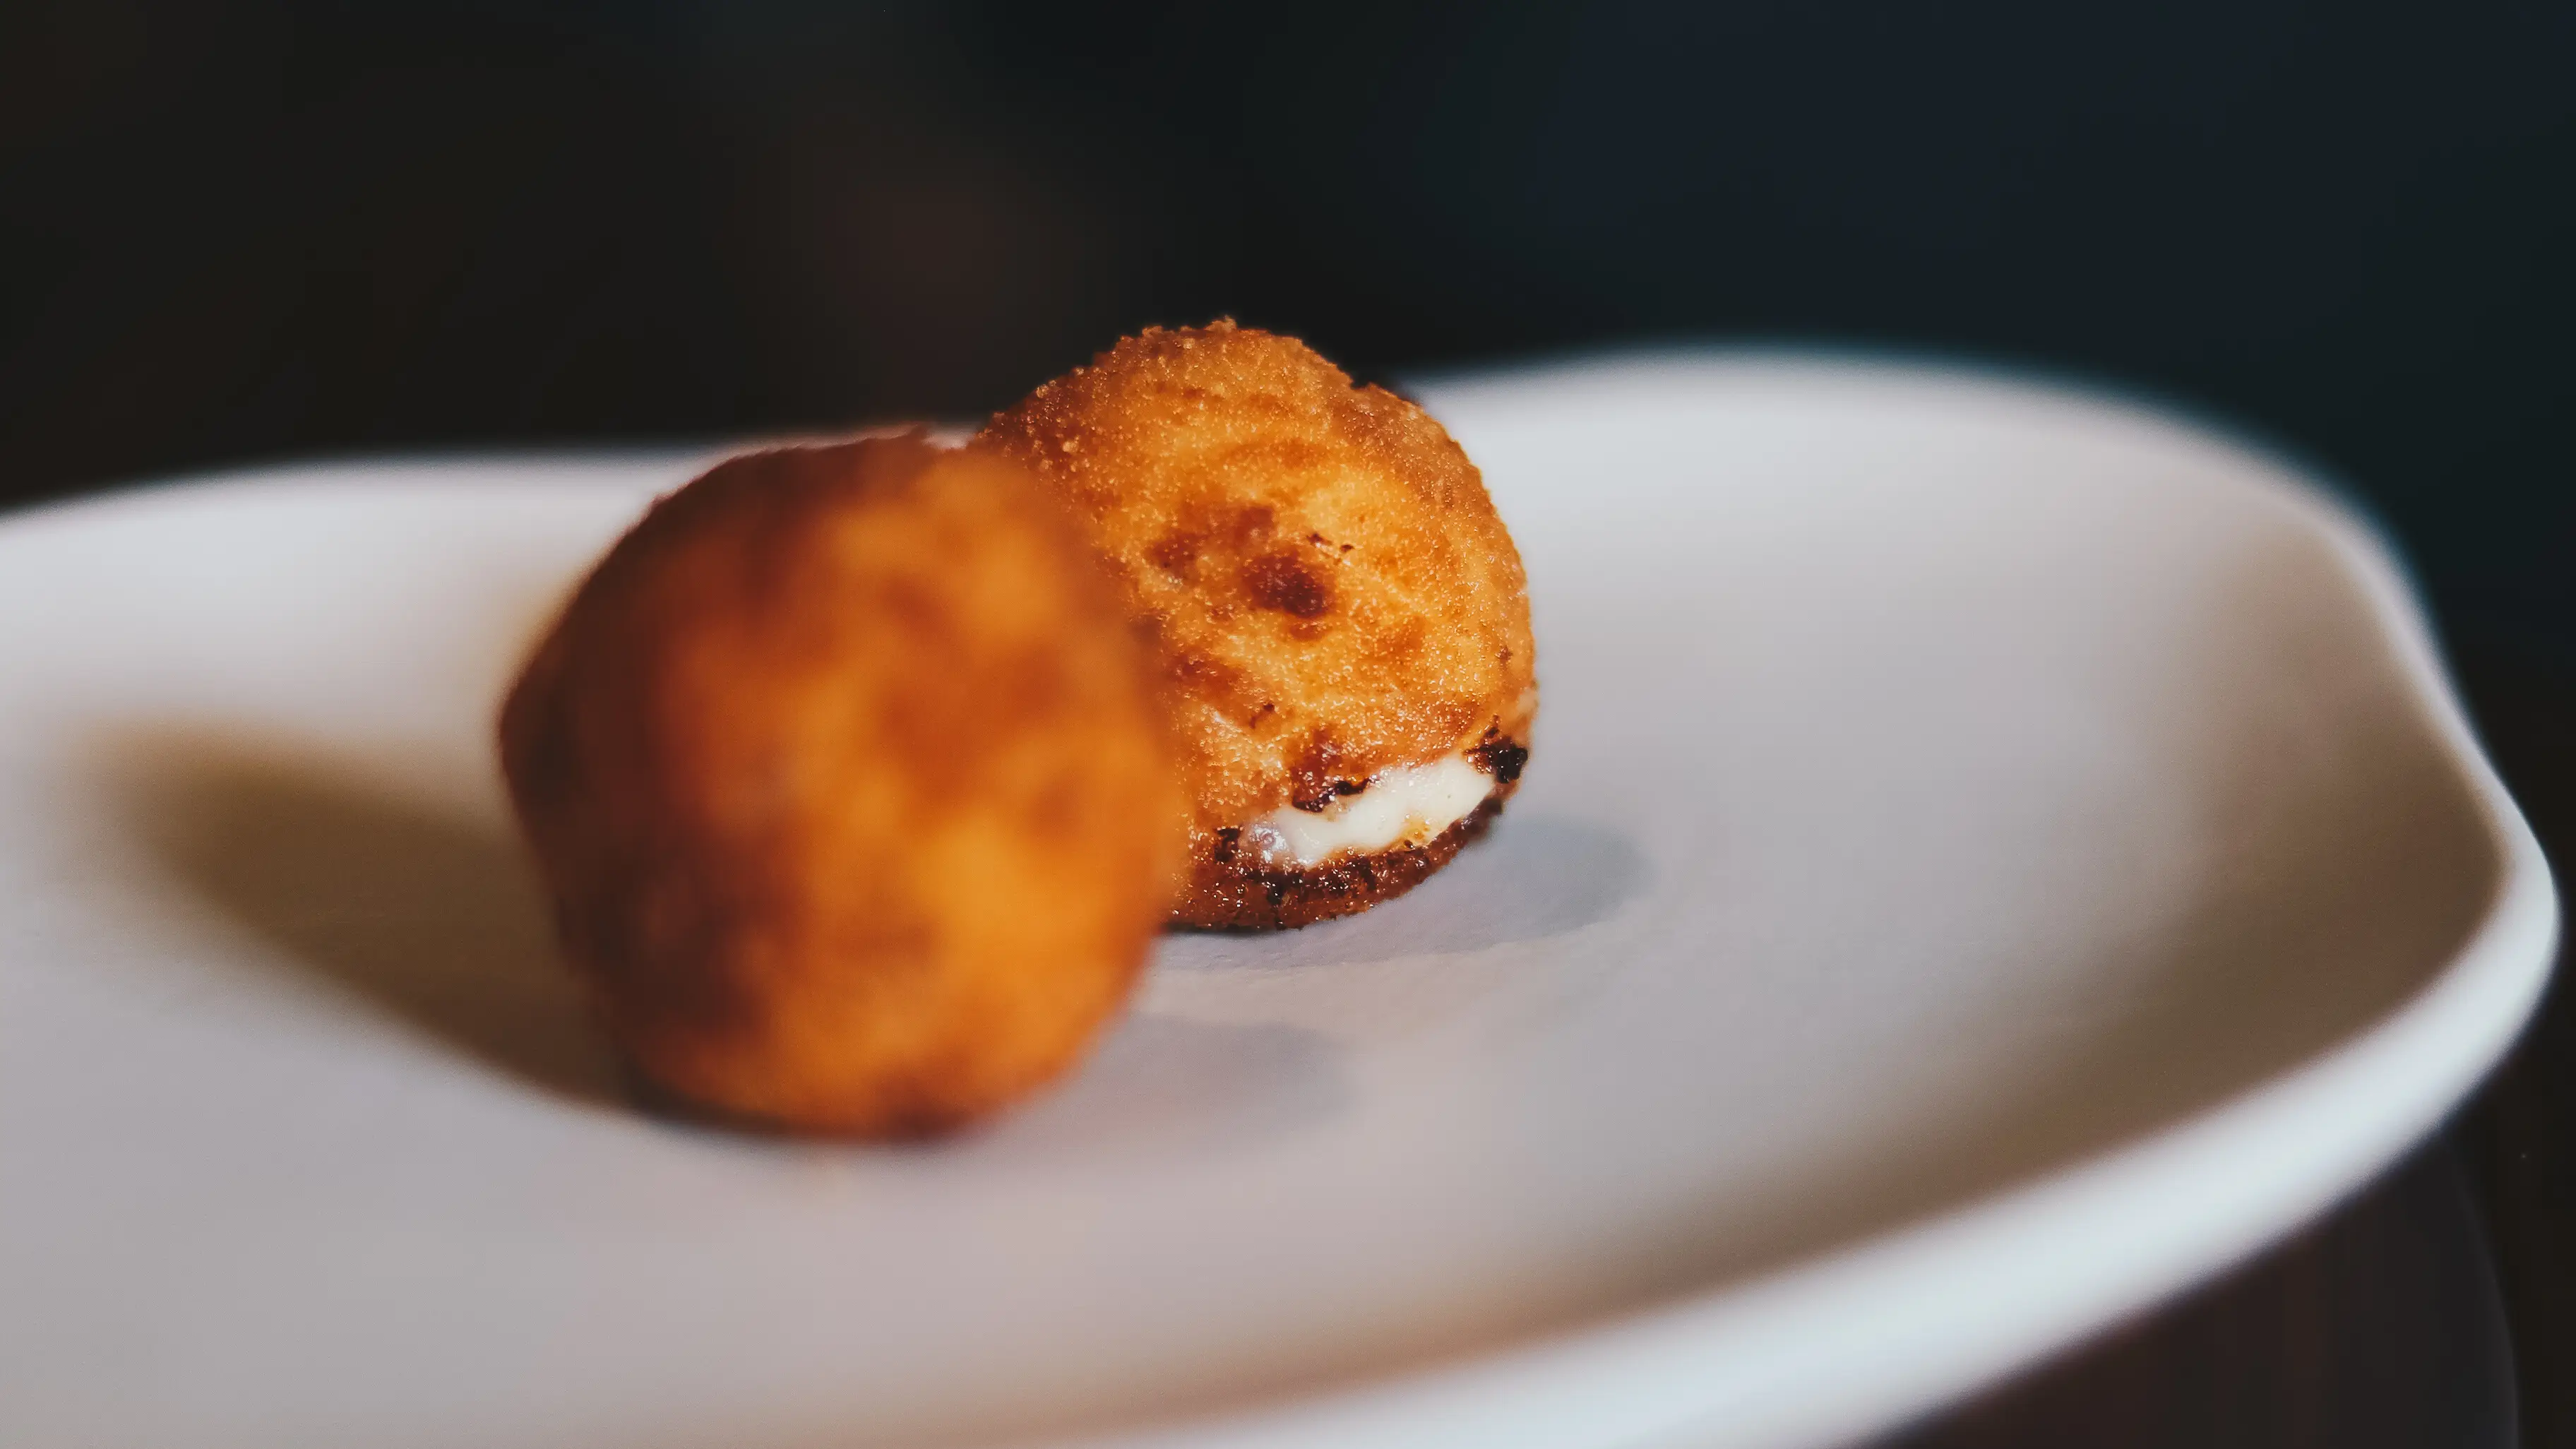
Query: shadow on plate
(434, 917)
(428, 914)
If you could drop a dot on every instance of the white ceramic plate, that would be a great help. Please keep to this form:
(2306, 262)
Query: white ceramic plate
(1990, 858)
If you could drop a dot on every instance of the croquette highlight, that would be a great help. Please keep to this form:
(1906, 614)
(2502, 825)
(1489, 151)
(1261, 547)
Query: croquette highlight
(1333, 602)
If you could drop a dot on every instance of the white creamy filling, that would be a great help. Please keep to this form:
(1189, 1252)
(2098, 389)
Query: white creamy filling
(1408, 805)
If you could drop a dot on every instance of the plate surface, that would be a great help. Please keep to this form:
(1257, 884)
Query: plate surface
(1990, 858)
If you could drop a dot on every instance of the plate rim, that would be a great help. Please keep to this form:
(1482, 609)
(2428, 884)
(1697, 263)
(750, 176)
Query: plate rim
(1717, 1367)
(1770, 1360)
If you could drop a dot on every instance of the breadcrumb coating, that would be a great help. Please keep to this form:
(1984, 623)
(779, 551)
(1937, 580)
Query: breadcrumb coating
(1321, 576)
(850, 789)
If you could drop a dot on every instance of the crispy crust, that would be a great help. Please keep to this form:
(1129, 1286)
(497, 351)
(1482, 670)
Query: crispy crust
(1232, 892)
(1316, 566)
(849, 788)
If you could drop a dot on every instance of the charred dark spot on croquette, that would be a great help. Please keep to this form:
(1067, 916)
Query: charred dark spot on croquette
(1316, 777)
(1326, 794)
(1282, 581)
(1500, 756)
(1175, 552)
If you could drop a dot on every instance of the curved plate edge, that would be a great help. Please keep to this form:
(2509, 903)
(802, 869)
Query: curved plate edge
(1862, 1339)
(1775, 1362)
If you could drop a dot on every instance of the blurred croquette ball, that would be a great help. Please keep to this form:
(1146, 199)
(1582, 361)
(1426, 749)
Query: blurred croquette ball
(848, 784)
(1339, 615)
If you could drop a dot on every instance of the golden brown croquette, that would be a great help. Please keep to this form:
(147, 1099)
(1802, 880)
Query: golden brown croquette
(849, 787)
(1339, 615)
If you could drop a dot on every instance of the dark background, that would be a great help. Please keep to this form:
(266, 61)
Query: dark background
(240, 232)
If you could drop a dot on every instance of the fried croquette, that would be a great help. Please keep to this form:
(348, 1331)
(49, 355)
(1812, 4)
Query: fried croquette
(849, 787)
(1340, 617)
